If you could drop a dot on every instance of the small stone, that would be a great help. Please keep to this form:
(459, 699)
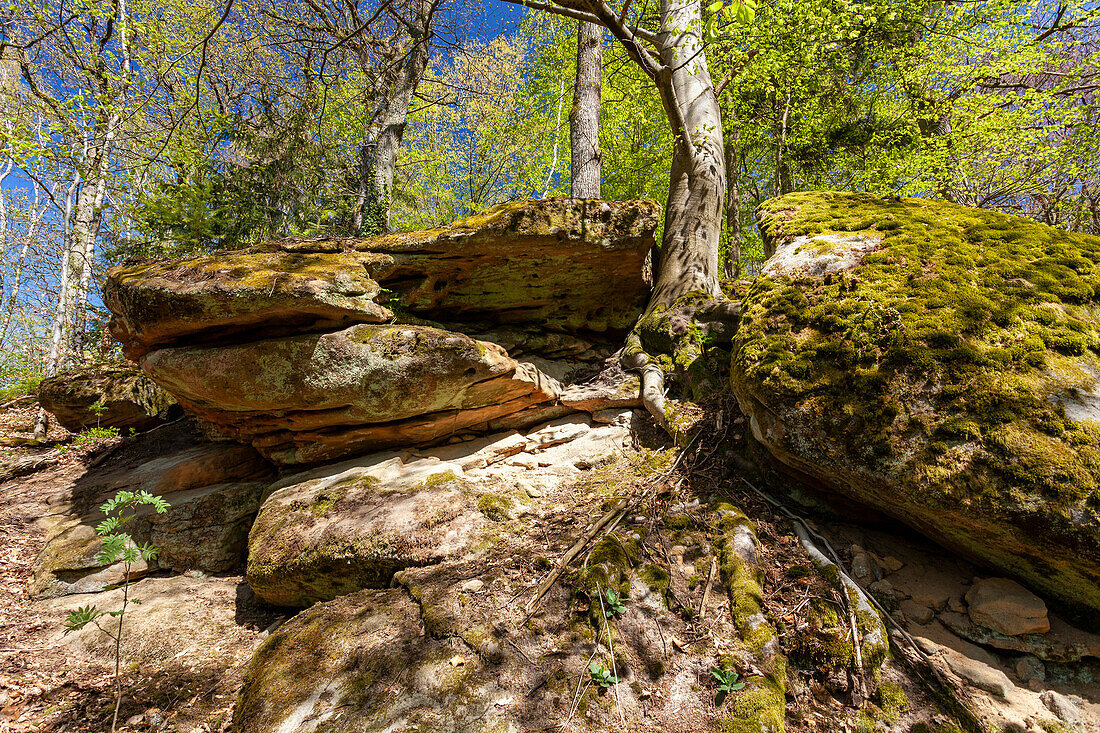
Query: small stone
(1029, 668)
(1061, 706)
(458, 660)
(882, 588)
(861, 567)
(531, 491)
(916, 612)
(524, 460)
(490, 651)
(135, 720)
(891, 564)
(473, 586)
(1007, 607)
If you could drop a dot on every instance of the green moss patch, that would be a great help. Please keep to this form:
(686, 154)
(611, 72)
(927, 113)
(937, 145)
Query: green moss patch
(936, 363)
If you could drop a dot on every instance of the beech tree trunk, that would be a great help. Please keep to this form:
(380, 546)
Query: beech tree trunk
(584, 119)
(693, 215)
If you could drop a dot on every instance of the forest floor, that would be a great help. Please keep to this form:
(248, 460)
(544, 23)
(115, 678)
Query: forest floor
(50, 683)
(184, 674)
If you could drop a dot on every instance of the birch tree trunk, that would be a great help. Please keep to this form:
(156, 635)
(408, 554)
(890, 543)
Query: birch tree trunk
(584, 119)
(557, 136)
(58, 331)
(17, 279)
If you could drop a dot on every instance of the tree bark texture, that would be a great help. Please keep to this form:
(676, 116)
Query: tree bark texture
(380, 151)
(733, 201)
(584, 120)
(693, 215)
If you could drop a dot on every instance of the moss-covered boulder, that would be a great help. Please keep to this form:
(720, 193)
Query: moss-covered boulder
(362, 663)
(105, 395)
(214, 492)
(939, 363)
(560, 264)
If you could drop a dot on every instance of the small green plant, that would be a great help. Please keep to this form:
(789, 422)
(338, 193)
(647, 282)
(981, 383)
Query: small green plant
(615, 605)
(727, 683)
(602, 676)
(118, 546)
(91, 436)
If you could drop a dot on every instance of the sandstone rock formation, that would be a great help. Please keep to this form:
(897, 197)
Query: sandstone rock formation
(320, 349)
(568, 266)
(1007, 607)
(214, 491)
(351, 525)
(129, 400)
(938, 363)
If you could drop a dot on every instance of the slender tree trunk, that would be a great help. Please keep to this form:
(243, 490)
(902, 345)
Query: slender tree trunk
(4, 218)
(17, 279)
(693, 216)
(383, 149)
(584, 120)
(57, 354)
(557, 137)
(733, 201)
(782, 168)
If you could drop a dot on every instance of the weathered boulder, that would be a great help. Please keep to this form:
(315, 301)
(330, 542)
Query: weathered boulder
(1007, 607)
(128, 398)
(315, 397)
(940, 364)
(362, 662)
(566, 265)
(214, 491)
(355, 524)
(351, 525)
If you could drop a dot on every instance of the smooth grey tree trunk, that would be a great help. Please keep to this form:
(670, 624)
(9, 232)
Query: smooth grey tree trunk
(693, 215)
(584, 119)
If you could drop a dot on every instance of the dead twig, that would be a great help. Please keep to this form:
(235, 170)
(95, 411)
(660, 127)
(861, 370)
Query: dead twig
(706, 591)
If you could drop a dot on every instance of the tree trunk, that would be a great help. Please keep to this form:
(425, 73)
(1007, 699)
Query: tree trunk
(584, 120)
(782, 167)
(17, 279)
(380, 153)
(557, 137)
(733, 201)
(693, 216)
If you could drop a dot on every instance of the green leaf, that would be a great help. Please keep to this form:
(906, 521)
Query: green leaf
(81, 617)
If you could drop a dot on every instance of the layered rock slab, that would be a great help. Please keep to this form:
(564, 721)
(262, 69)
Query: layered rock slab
(917, 356)
(214, 491)
(336, 529)
(315, 397)
(567, 265)
(105, 395)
